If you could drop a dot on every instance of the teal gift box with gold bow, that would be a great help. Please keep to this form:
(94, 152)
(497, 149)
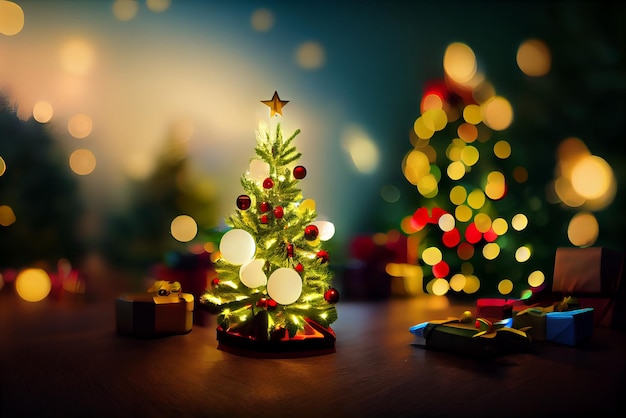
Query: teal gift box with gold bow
(163, 310)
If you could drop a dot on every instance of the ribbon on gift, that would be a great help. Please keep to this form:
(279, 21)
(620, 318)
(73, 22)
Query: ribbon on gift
(164, 291)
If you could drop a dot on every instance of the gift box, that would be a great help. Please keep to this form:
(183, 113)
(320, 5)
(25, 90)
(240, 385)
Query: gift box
(494, 308)
(464, 338)
(569, 327)
(534, 320)
(154, 315)
(594, 276)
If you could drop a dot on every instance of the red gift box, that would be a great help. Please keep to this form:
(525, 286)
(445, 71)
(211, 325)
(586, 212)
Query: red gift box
(494, 308)
(594, 276)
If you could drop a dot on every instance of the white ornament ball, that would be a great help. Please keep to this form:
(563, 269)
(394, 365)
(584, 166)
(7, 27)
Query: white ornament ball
(237, 246)
(251, 274)
(284, 286)
(259, 170)
(326, 229)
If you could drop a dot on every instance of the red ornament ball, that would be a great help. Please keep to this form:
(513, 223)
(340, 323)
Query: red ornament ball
(299, 268)
(264, 219)
(268, 183)
(215, 282)
(322, 256)
(299, 172)
(243, 202)
(262, 303)
(271, 304)
(278, 212)
(311, 232)
(331, 295)
(264, 207)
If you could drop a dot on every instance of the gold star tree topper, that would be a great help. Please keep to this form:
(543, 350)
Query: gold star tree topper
(275, 104)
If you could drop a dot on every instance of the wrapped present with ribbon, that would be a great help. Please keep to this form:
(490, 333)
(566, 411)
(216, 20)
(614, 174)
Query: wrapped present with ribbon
(481, 338)
(495, 308)
(563, 322)
(594, 276)
(163, 310)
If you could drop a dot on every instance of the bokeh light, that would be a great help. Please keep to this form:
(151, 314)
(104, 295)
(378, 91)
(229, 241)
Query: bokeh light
(536, 278)
(82, 162)
(11, 18)
(42, 112)
(522, 254)
(125, 10)
(502, 149)
(505, 286)
(583, 229)
(534, 58)
(3, 166)
(446, 222)
(440, 287)
(432, 256)
(472, 284)
(33, 284)
(361, 149)
(80, 126)
(519, 222)
(497, 113)
(491, 251)
(457, 282)
(390, 193)
(591, 177)
(158, 6)
(262, 20)
(77, 56)
(7, 216)
(310, 55)
(459, 62)
(184, 228)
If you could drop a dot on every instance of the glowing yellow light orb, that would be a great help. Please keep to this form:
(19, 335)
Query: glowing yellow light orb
(583, 229)
(459, 62)
(435, 119)
(33, 284)
(42, 112)
(471, 114)
(472, 284)
(591, 177)
(502, 149)
(427, 185)
(497, 113)
(536, 278)
(522, 254)
(422, 130)
(476, 199)
(534, 58)
(470, 155)
(11, 18)
(432, 256)
(463, 213)
(500, 226)
(456, 170)
(491, 251)
(184, 228)
(440, 287)
(457, 282)
(7, 216)
(82, 162)
(505, 287)
(519, 222)
(458, 194)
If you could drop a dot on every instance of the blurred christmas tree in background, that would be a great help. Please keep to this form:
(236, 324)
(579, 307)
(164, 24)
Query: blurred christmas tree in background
(147, 229)
(40, 206)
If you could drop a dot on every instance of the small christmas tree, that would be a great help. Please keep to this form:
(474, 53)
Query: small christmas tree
(273, 279)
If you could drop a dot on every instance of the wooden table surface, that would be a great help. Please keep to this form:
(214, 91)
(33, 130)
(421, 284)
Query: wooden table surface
(64, 358)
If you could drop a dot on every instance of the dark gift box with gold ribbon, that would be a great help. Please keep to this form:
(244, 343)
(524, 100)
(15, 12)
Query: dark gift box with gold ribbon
(164, 310)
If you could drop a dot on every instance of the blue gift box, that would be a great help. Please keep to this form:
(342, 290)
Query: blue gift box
(569, 327)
